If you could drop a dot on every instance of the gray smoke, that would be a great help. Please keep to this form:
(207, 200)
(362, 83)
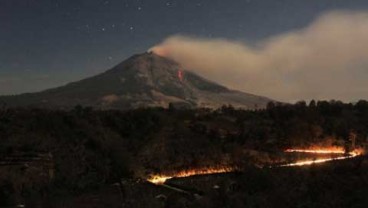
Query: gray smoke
(326, 60)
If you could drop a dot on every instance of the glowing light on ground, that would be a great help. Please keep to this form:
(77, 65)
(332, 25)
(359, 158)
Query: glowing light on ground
(333, 150)
(311, 162)
(160, 179)
(330, 150)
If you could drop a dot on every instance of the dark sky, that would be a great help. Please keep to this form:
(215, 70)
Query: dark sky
(46, 43)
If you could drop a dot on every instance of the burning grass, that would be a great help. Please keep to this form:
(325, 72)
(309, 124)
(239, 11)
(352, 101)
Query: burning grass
(329, 150)
(334, 152)
(161, 178)
(318, 150)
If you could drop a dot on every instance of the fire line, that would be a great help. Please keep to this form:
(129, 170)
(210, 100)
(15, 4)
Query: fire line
(317, 151)
(338, 150)
(161, 179)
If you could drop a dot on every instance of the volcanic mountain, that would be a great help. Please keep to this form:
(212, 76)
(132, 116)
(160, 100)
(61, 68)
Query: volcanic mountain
(144, 80)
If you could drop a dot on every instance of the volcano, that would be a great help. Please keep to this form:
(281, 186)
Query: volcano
(143, 80)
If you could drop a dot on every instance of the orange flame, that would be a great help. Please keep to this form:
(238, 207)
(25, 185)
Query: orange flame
(330, 150)
(310, 162)
(160, 179)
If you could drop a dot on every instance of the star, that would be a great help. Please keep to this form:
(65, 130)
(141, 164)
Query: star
(103, 29)
(131, 28)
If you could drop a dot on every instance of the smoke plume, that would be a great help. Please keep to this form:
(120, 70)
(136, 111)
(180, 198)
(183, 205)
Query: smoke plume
(326, 60)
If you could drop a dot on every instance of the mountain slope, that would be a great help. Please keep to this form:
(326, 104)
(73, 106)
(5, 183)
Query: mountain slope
(144, 80)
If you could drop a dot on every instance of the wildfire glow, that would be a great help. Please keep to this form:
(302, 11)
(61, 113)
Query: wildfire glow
(310, 162)
(160, 179)
(332, 150)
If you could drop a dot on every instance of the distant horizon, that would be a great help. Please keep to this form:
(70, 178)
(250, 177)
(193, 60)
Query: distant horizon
(289, 50)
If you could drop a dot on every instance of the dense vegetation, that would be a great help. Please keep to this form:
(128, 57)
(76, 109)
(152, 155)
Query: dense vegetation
(93, 148)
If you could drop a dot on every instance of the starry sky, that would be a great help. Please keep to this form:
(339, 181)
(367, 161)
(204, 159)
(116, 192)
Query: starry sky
(46, 43)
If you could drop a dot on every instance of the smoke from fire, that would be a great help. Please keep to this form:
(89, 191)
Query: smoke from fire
(328, 59)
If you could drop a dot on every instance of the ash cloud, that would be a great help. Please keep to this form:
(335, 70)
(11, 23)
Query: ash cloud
(326, 60)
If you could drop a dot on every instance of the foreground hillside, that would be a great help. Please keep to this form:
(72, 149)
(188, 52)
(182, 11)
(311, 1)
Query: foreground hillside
(54, 155)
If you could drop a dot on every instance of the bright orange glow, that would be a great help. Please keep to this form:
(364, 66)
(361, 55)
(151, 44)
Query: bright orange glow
(160, 179)
(329, 150)
(332, 150)
(310, 162)
(356, 152)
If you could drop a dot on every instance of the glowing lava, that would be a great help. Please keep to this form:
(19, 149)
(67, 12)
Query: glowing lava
(180, 75)
(160, 179)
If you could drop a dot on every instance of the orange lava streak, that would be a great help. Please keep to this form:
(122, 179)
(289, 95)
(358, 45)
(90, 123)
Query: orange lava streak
(160, 179)
(180, 75)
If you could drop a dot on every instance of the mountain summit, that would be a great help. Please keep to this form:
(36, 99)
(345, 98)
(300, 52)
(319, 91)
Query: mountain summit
(144, 80)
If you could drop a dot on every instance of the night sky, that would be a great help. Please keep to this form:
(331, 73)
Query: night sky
(45, 43)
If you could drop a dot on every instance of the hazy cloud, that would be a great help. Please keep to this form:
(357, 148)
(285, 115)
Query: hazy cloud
(326, 60)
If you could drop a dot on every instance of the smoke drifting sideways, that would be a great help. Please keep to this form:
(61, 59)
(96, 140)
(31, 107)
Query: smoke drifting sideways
(328, 59)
